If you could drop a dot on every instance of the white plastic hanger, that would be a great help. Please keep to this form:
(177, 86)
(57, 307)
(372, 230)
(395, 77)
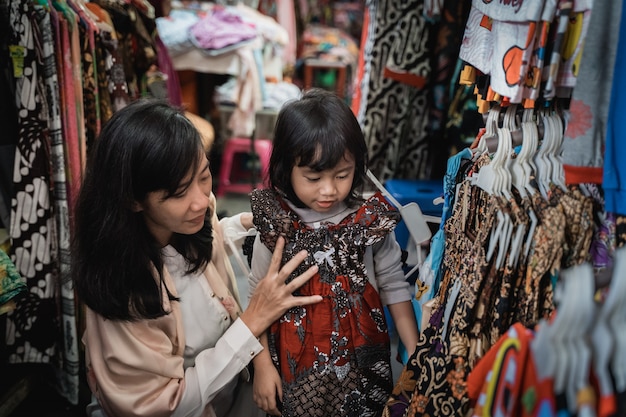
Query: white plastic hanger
(513, 166)
(603, 344)
(491, 124)
(558, 174)
(576, 330)
(523, 172)
(497, 179)
(413, 218)
(542, 161)
(616, 311)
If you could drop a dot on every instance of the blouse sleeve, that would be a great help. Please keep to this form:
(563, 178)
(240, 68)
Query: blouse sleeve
(261, 259)
(136, 368)
(392, 286)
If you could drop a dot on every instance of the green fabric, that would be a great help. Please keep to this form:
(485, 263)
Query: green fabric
(11, 282)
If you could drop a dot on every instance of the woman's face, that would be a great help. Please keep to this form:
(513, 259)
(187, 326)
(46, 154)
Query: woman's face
(183, 212)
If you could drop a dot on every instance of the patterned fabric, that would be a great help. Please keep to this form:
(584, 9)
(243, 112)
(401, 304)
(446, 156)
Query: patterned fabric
(440, 365)
(32, 227)
(90, 85)
(620, 230)
(136, 47)
(71, 361)
(579, 230)
(112, 87)
(486, 287)
(506, 379)
(334, 357)
(395, 118)
(449, 113)
(71, 124)
(544, 257)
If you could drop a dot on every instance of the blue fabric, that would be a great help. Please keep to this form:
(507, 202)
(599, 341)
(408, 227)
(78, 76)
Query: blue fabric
(437, 245)
(449, 182)
(614, 180)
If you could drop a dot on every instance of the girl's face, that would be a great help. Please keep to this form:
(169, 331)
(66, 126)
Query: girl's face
(321, 191)
(183, 212)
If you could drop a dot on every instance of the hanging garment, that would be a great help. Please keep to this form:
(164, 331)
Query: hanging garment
(448, 119)
(396, 115)
(71, 358)
(434, 379)
(586, 131)
(614, 173)
(33, 228)
(506, 381)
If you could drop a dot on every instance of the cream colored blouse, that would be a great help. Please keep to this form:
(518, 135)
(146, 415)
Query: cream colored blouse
(182, 364)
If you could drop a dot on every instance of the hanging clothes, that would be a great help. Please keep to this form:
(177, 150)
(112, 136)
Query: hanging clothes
(63, 78)
(32, 229)
(396, 115)
(614, 173)
(488, 282)
(587, 131)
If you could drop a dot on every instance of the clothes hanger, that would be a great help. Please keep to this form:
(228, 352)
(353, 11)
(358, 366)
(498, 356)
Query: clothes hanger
(488, 180)
(603, 344)
(565, 294)
(616, 306)
(413, 217)
(509, 125)
(558, 173)
(579, 325)
(530, 135)
(542, 161)
(526, 170)
(503, 183)
(514, 173)
(491, 124)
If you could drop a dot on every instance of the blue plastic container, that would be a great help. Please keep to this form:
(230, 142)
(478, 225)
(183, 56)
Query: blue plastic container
(422, 192)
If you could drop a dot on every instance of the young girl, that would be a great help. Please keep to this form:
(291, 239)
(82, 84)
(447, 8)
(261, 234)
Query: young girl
(331, 359)
(164, 334)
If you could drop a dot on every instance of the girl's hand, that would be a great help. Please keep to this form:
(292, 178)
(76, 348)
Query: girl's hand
(246, 220)
(272, 296)
(267, 389)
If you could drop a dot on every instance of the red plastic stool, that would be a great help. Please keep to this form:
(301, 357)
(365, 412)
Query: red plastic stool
(234, 146)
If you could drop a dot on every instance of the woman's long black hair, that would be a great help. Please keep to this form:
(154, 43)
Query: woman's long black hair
(145, 147)
(316, 131)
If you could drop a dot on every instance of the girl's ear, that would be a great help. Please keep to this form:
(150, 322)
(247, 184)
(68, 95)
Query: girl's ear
(137, 207)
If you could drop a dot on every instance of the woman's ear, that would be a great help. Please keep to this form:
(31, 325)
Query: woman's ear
(136, 207)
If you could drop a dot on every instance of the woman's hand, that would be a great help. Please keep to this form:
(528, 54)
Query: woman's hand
(273, 297)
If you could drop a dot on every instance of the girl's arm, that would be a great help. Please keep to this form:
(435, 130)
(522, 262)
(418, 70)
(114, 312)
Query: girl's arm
(268, 391)
(261, 258)
(404, 319)
(235, 229)
(394, 290)
(267, 382)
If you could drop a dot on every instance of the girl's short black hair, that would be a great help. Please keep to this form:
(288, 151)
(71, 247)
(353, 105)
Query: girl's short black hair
(316, 131)
(145, 147)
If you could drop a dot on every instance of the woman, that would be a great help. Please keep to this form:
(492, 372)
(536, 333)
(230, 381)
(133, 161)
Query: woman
(164, 334)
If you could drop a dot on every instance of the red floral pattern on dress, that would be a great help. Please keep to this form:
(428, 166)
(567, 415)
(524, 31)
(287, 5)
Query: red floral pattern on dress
(580, 121)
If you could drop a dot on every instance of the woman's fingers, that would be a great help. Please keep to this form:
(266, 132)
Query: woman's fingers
(272, 296)
(277, 256)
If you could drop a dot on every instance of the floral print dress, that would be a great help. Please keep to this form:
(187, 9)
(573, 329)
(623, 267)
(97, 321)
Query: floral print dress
(334, 356)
